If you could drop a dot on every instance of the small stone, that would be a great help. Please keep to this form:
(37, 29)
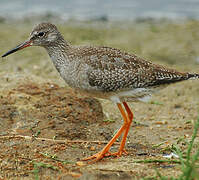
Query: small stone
(92, 148)
(159, 122)
(80, 163)
(77, 175)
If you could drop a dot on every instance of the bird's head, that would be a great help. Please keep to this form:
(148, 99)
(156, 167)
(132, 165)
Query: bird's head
(44, 34)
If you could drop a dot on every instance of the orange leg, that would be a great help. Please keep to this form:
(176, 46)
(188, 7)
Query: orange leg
(129, 121)
(105, 151)
(130, 114)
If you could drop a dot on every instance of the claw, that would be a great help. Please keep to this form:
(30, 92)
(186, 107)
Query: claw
(124, 129)
(118, 154)
(98, 156)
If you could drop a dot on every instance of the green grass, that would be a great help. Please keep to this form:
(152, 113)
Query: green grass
(37, 133)
(157, 161)
(156, 103)
(109, 120)
(189, 164)
(54, 157)
(38, 166)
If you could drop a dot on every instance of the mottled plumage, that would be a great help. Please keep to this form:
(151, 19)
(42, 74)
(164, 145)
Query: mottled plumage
(104, 72)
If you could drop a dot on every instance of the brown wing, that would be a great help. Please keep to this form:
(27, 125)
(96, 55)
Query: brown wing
(112, 70)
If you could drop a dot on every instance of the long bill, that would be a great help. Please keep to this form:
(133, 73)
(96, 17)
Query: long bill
(19, 47)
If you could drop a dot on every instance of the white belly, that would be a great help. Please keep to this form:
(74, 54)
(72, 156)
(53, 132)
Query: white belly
(138, 94)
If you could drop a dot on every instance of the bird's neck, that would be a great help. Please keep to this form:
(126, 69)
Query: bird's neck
(59, 45)
(58, 52)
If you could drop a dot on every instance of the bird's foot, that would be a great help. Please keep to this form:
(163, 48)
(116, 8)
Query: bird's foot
(97, 156)
(119, 153)
(100, 155)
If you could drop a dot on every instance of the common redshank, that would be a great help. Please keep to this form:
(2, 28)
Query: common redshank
(104, 72)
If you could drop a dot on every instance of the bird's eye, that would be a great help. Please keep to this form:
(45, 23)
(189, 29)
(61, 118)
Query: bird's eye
(40, 34)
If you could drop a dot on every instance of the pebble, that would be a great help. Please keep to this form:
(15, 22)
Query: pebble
(80, 163)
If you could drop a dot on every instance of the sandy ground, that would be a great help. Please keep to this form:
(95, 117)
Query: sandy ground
(46, 110)
(46, 128)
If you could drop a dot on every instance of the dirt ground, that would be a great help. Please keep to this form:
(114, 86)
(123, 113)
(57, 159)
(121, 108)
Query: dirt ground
(46, 129)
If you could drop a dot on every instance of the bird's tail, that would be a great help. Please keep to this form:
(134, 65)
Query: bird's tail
(193, 76)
